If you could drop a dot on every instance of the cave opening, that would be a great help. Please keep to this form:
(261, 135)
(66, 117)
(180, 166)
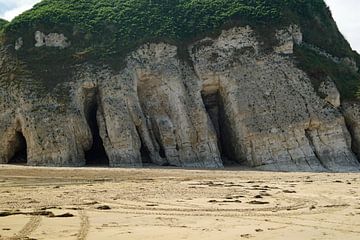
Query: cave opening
(144, 151)
(162, 151)
(96, 155)
(215, 109)
(20, 150)
(145, 154)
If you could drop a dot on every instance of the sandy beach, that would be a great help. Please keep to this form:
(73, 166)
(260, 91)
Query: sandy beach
(100, 203)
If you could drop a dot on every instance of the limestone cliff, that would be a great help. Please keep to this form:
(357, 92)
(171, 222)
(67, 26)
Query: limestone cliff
(231, 101)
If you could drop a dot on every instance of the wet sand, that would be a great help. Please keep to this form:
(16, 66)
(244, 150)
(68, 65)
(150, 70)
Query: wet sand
(100, 203)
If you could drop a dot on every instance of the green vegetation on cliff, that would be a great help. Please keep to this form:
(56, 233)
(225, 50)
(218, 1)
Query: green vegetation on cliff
(3, 23)
(320, 68)
(119, 26)
(110, 29)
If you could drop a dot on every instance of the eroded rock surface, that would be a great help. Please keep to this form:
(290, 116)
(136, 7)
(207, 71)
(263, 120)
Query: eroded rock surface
(232, 101)
(50, 40)
(273, 117)
(351, 112)
(330, 93)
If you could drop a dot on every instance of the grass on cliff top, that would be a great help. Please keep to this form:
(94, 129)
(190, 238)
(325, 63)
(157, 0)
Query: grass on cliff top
(107, 27)
(115, 27)
(107, 30)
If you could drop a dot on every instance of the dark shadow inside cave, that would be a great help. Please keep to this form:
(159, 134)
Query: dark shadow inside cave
(20, 153)
(97, 154)
(144, 151)
(355, 142)
(215, 110)
(145, 154)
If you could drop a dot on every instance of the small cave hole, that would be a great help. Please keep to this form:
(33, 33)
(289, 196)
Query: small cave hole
(162, 152)
(145, 154)
(96, 155)
(20, 147)
(144, 151)
(214, 107)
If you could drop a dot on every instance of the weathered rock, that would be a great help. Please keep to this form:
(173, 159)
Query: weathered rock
(19, 43)
(351, 112)
(232, 100)
(51, 40)
(330, 92)
(351, 63)
(287, 38)
(272, 117)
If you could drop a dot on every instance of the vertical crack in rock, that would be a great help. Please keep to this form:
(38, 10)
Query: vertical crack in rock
(175, 116)
(19, 155)
(214, 107)
(144, 150)
(308, 135)
(96, 155)
(154, 104)
(162, 152)
(354, 141)
(211, 102)
(152, 149)
(351, 114)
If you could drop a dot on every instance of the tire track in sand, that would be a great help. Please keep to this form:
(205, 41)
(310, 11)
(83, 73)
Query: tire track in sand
(31, 226)
(84, 225)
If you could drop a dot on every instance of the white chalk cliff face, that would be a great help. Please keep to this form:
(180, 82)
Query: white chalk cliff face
(230, 101)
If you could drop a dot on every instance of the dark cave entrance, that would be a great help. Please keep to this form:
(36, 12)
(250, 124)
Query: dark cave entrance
(144, 151)
(96, 155)
(20, 153)
(215, 109)
(145, 154)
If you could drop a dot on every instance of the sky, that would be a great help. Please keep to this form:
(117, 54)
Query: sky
(345, 12)
(346, 15)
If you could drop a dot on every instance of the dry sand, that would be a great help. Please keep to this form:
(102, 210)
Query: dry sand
(176, 204)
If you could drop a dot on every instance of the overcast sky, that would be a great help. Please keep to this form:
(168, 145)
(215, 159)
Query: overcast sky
(345, 12)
